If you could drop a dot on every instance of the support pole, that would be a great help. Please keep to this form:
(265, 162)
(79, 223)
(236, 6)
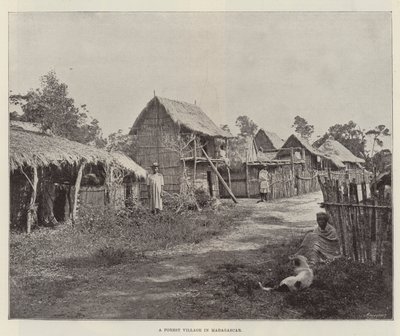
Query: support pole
(194, 161)
(32, 211)
(76, 193)
(229, 177)
(292, 160)
(247, 178)
(220, 177)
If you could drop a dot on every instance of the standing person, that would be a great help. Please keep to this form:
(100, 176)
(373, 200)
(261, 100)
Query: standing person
(155, 184)
(263, 178)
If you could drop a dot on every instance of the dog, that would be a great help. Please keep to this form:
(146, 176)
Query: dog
(303, 278)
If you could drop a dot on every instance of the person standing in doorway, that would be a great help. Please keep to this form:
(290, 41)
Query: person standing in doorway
(155, 184)
(263, 178)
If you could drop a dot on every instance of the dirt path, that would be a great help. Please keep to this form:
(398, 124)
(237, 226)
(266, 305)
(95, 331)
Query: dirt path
(169, 284)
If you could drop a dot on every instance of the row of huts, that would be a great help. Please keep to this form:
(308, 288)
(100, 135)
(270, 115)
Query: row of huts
(50, 175)
(192, 151)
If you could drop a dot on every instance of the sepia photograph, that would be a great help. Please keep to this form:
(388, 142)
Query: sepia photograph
(230, 165)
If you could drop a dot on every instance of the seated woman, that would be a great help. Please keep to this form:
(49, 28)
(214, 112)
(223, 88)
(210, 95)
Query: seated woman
(320, 244)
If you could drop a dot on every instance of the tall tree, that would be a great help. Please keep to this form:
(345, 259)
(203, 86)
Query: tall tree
(349, 135)
(118, 141)
(246, 126)
(52, 108)
(377, 134)
(302, 127)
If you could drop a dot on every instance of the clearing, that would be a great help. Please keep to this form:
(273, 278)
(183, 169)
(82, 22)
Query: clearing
(196, 281)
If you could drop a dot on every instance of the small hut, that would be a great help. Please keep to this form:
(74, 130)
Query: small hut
(266, 141)
(301, 150)
(185, 142)
(246, 162)
(47, 172)
(340, 156)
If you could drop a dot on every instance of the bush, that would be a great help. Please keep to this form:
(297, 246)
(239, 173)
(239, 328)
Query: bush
(136, 228)
(110, 255)
(202, 197)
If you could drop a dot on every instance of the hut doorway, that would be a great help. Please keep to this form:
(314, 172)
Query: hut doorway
(210, 184)
(60, 203)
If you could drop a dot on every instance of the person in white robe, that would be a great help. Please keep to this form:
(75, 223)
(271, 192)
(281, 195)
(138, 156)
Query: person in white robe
(155, 184)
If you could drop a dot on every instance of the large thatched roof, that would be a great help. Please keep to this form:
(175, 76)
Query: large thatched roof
(338, 153)
(276, 141)
(34, 149)
(304, 143)
(189, 115)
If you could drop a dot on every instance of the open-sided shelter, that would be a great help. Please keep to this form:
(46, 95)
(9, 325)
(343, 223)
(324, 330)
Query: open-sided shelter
(46, 172)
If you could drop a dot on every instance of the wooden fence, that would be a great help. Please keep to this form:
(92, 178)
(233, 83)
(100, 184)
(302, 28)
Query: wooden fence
(357, 176)
(283, 182)
(364, 226)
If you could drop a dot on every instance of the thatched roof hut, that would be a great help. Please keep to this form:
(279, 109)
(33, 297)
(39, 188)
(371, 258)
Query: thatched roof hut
(267, 140)
(184, 141)
(339, 154)
(29, 148)
(187, 115)
(33, 156)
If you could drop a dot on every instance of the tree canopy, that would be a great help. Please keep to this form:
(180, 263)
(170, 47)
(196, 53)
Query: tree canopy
(349, 135)
(125, 143)
(246, 126)
(302, 127)
(52, 108)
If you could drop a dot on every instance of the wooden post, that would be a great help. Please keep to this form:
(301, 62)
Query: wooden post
(364, 192)
(229, 177)
(32, 211)
(292, 160)
(219, 176)
(194, 161)
(247, 178)
(76, 192)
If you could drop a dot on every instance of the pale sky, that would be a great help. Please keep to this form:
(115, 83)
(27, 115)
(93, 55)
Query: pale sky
(327, 67)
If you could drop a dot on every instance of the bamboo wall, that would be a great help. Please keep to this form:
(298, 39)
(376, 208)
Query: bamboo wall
(201, 181)
(150, 142)
(364, 227)
(155, 127)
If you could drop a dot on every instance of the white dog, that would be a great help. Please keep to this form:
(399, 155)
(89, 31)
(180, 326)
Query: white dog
(303, 278)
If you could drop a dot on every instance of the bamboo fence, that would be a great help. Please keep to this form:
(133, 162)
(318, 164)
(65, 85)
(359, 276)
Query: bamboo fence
(364, 226)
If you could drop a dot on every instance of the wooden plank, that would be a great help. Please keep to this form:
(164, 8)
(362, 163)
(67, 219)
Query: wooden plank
(220, 177)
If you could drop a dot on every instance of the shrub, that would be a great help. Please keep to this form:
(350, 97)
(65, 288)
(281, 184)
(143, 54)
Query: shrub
(110, 255)
(202, 197)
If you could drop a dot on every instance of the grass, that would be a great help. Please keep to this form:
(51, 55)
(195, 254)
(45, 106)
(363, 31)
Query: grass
(46, 263)
(110, 236)
(100, 267)
(342, 289)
